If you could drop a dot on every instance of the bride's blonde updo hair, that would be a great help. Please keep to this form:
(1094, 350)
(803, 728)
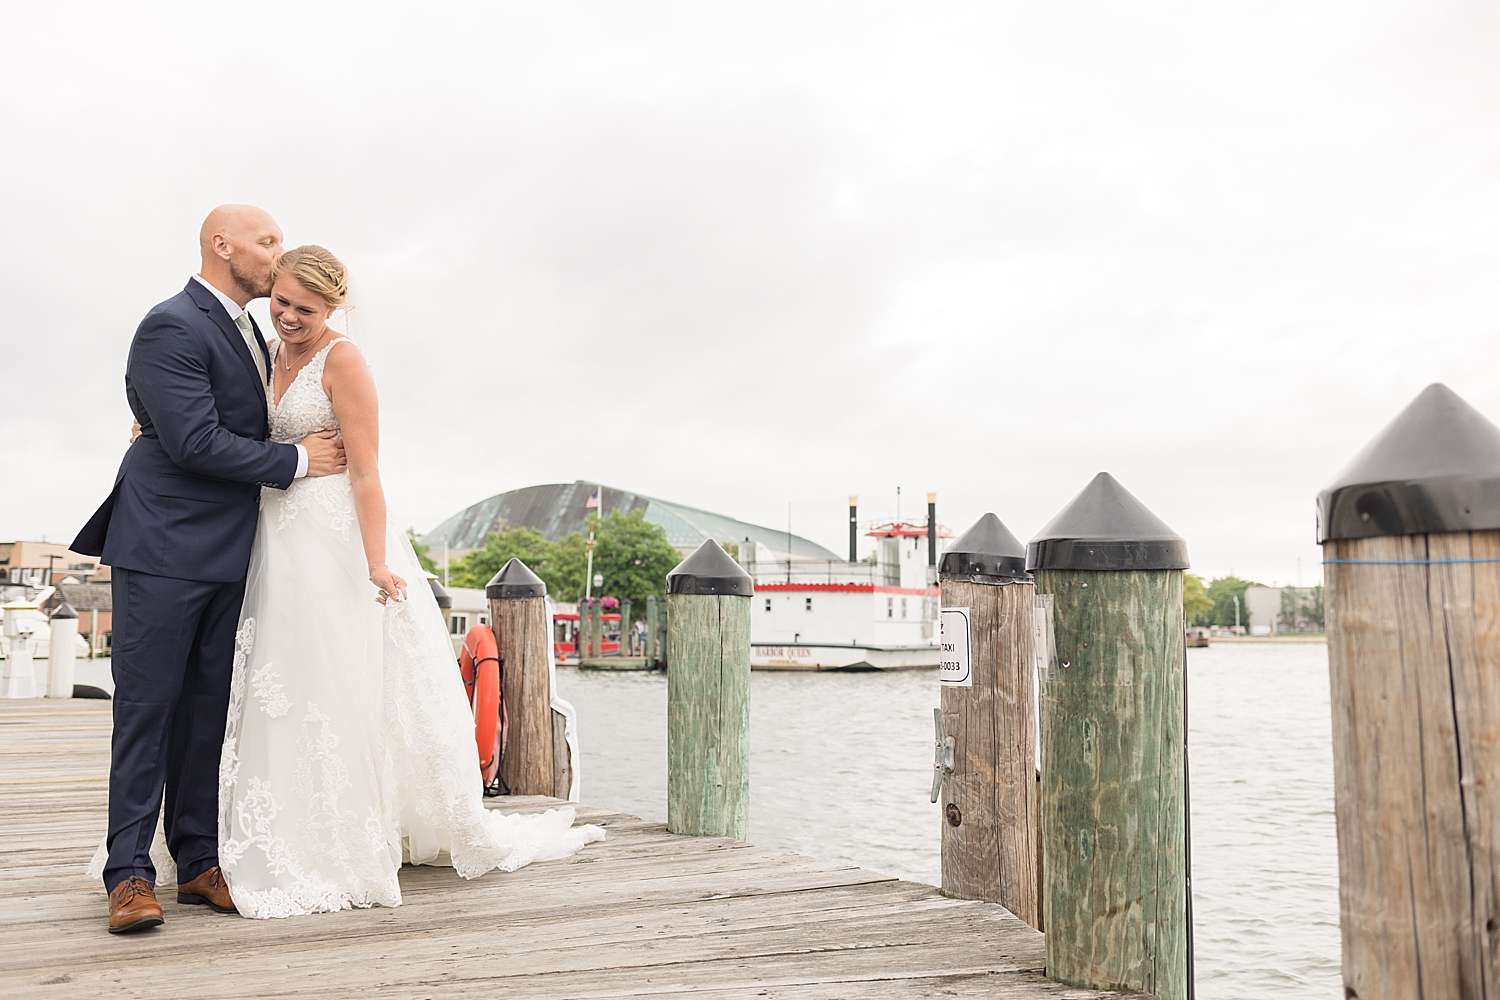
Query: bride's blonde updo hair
(319, 271)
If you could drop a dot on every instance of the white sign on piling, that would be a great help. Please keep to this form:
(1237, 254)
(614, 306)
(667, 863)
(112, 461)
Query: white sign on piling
(1044, 644)
(954, 665)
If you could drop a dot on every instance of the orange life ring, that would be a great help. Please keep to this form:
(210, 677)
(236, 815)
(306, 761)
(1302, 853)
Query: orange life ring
(480, 666)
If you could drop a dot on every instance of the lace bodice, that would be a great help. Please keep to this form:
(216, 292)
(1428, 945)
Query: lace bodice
(305, 408)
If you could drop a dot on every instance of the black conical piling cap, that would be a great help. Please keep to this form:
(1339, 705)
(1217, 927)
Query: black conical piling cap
(1435, 468)
(710, 570)
(64, 610)
(514, 581)
(443, 598)
(987, 548)
(1106, 527)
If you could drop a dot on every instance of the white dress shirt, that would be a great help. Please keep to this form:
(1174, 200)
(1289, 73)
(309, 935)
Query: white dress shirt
(235, 311)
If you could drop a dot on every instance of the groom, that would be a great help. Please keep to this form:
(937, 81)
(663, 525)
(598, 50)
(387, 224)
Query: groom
(177, 531)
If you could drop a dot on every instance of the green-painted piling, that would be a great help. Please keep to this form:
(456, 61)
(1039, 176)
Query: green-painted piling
(1114, 836)
(708, 695)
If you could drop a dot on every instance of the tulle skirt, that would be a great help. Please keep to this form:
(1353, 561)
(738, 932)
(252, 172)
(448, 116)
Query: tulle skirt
(350, 743)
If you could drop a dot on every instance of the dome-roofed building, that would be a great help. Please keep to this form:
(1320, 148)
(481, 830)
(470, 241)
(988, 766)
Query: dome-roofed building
(558, 509)
(812, 611)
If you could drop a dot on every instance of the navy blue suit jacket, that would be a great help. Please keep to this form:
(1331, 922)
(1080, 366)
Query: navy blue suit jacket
(186, 499)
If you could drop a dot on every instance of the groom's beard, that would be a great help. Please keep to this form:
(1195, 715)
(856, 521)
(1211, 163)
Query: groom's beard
(257, 286)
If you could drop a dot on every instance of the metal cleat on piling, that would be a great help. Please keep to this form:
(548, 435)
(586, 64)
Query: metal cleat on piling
(942, 753)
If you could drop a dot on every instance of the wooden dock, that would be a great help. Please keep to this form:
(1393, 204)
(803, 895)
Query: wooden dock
(642, 914)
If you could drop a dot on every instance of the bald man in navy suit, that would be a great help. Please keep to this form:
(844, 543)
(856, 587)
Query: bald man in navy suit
(177, 531)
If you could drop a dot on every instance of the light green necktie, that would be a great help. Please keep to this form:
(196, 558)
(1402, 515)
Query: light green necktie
(248, 331)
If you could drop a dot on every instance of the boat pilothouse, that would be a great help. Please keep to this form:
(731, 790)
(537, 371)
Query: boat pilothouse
(815, 614)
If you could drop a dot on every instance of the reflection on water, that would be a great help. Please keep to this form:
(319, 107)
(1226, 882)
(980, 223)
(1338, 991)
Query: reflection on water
(841, 766)
(1265, 857)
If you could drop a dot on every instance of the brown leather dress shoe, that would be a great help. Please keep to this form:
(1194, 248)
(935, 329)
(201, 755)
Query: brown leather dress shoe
(133, 906)
(208, 888)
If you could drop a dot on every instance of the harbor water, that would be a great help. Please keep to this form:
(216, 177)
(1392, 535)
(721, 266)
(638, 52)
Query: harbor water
(841, 767)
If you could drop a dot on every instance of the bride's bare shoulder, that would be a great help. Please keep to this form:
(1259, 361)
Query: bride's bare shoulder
(343, 353)
(345, 365)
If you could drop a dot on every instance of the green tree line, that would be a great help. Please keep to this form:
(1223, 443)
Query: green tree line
(632, 554)
(1300, 613)
(1212, 603)
(423, 558)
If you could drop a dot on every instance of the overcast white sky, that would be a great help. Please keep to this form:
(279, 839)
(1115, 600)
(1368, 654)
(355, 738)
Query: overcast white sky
(798, 252)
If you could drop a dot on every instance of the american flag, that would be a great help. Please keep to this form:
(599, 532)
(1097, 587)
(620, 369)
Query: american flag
(593, 501)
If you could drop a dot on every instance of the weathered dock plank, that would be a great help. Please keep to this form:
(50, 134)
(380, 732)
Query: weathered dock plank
(643, 914)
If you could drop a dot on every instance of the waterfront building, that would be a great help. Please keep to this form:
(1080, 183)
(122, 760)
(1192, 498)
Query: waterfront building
(48, 573)
(94, 603)
(556, 510)
(812, 610)
(1263, 606)
(40, 564)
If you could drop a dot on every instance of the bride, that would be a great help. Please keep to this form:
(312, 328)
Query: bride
(349, 747)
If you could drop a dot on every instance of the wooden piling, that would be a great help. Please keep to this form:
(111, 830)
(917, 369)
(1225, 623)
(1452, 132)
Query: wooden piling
(444, 603)
(662, 617)
(708, 695)
(562, 757)
(1115, 890)
(651, 644)
(62, 648)
(991, 840)
(1412, 595)
(523, 633)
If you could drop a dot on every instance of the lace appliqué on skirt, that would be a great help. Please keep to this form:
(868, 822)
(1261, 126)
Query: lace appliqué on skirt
(268, 691)
(333, 494)
(326, 857)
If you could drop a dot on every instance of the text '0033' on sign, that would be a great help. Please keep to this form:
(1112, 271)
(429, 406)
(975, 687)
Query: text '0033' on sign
(953, 665)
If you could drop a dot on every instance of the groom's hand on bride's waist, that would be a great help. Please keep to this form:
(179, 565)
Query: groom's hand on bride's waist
(325, 453)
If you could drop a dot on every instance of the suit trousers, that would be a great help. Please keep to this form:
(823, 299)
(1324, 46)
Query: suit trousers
(172, 660)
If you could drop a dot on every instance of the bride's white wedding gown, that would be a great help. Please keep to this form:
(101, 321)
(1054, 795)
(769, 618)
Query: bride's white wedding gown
(350, 742)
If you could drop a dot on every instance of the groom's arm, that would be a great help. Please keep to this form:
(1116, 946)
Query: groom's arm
(169, 374)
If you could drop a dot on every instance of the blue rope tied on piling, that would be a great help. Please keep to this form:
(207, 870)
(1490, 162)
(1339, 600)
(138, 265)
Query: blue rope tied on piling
(1406, 562)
